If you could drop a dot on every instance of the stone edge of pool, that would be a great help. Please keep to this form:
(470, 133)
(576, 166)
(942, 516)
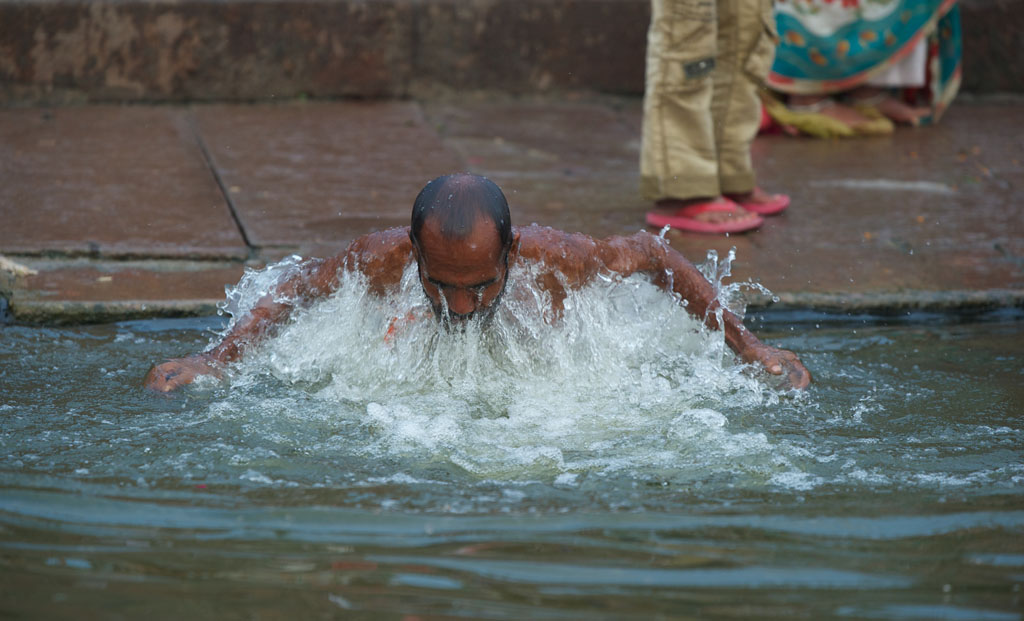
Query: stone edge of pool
(63, 312)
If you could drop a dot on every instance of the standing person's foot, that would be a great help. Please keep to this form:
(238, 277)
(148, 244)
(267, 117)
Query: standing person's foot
(703, 215)
(869, 98)
(760, 202)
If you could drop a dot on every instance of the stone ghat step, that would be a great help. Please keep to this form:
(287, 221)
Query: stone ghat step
(61, 51)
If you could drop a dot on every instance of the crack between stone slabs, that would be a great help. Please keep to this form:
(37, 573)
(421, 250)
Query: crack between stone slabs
(208, 158)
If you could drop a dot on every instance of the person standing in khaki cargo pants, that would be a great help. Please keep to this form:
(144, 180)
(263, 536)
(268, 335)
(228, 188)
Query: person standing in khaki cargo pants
(706, 60)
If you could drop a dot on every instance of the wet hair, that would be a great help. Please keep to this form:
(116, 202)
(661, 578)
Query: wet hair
(457, 201)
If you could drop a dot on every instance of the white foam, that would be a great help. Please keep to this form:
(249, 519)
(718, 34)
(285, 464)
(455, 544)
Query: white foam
(624, 381)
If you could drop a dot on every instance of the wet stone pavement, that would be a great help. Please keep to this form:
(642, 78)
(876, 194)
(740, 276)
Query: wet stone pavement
(110, 212)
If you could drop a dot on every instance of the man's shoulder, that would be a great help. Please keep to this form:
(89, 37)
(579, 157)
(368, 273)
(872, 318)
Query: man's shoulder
(381, 256)
(574, 257)
(397, 236)
(538, 241)
(380, 244)
(578, 257)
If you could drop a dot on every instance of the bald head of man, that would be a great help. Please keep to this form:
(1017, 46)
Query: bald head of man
(462, 236)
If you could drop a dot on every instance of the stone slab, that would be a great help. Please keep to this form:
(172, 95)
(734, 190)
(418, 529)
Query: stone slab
(930, 209)
(87, 291)
(310, 177)
(569, 165)
(926, 210)
(929, 218)
(110, 181)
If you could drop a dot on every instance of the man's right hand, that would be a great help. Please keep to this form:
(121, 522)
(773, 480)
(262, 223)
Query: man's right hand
(180, 371)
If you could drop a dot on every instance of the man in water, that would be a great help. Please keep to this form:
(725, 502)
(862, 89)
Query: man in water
(463, 243)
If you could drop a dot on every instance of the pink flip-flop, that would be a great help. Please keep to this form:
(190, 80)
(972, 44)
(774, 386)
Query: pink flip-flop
(776, 204)
(684, 218)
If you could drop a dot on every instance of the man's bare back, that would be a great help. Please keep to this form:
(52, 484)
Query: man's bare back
(463, 258)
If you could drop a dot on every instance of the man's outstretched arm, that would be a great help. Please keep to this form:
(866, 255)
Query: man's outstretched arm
(670, 270)
(380, 256)
(316, 278)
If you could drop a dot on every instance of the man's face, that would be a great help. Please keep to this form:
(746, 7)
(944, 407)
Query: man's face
(467, 275)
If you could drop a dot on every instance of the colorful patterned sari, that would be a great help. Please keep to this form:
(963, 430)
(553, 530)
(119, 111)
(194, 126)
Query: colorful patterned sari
(830, 46)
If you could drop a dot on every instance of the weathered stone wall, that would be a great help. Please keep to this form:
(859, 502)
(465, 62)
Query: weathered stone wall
(993, 46)
(235, 50)
(219, 50)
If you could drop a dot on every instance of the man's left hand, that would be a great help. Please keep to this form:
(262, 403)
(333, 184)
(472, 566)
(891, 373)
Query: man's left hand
(781, 362)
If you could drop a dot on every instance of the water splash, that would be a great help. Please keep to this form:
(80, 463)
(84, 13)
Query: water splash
(623, 380)
(254, 286)
(734, 296)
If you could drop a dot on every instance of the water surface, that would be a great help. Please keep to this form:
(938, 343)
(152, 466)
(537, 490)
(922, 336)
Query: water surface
(619, 463)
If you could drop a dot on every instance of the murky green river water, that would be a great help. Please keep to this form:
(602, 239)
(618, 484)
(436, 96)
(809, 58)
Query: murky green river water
(617, 466)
